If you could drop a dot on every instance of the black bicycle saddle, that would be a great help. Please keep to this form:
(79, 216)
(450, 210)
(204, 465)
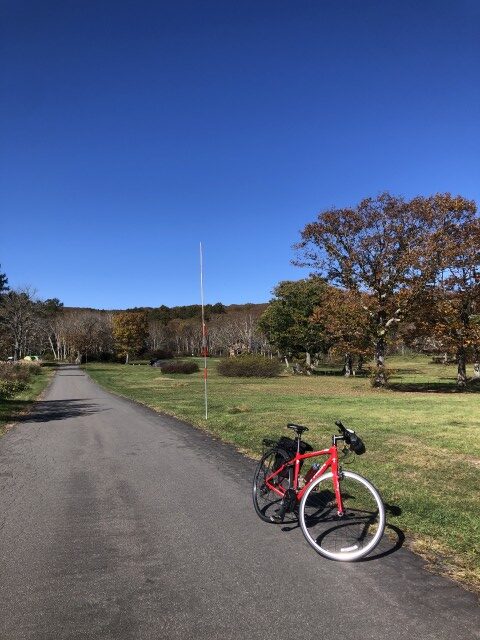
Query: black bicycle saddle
(297, 427)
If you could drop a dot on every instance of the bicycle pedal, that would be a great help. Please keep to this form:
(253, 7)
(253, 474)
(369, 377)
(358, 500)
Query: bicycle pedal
(279, 516)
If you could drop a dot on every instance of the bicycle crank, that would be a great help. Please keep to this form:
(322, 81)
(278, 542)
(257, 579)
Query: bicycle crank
(288, 504)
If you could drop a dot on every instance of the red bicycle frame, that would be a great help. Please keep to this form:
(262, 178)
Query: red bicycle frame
(330, 463)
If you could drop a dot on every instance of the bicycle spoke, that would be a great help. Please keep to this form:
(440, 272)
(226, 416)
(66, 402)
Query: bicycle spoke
(267, 502)
(343, 536)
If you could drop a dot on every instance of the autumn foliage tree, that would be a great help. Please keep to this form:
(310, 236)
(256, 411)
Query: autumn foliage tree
(130, 331)
(382, 247)
(344, 320)
(449, 309)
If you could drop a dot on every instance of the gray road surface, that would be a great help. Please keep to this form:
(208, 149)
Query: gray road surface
(117, 523)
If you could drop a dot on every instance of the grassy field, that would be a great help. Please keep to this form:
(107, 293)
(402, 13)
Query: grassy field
(12, 408)
(423, 438)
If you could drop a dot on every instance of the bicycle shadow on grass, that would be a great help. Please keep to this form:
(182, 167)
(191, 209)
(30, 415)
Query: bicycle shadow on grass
(392, 540)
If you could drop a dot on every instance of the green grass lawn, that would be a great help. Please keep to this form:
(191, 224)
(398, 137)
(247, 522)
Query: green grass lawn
(422, 438)
(12, 408)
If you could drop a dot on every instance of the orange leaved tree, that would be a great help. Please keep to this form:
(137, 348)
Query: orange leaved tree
(390, 249)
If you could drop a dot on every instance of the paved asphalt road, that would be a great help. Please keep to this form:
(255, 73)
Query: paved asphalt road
(117, 523)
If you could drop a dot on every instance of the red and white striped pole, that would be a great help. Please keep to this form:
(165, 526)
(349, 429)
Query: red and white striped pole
(204, 336)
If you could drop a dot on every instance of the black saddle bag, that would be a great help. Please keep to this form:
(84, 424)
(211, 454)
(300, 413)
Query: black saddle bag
(290, 447)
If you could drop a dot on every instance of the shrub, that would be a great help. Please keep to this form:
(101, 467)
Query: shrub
(34, 368)
(179, 366)
(249, 366)
(19, 372)
(15, 377)
(16, 371)
(9, 388)
(105, 356)
(159, 354)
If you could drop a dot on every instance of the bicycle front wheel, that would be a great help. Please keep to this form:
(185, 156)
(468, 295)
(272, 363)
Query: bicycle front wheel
(267, 503)
(351, 535)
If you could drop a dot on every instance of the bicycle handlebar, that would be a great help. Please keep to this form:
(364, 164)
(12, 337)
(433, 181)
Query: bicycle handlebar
(355, 443)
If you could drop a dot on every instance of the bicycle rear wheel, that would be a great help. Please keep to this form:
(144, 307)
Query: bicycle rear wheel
(353, 534)
(267, 503)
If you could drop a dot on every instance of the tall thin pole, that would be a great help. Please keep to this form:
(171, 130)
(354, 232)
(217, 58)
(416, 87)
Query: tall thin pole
(204, 336)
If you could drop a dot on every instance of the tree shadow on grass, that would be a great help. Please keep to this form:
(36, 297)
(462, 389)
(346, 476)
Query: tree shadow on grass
(327, 372)
(448, 386)
(46, 410)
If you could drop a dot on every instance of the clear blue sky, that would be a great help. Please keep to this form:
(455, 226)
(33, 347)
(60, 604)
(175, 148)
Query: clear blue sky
(130, 131)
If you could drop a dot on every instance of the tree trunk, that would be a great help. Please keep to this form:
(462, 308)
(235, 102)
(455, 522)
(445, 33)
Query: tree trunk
(476, 363)
(360, 364)
(348, 367)
(126, 359)
(380, 377)
(286, 362)
(308, 360)
(462, 368)
(53, 348)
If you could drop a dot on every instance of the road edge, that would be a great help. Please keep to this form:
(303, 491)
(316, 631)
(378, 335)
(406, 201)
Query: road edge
(25, 412)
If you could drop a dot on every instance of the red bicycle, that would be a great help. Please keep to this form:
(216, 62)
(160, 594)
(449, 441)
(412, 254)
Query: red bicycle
(341, 513)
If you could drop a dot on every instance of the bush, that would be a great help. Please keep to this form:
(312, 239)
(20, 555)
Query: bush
(158, 354)
(105, 356)
(9, 388)
(34, 368)
(17, 371)
(249, 366)
(15, 377)
(179, 366)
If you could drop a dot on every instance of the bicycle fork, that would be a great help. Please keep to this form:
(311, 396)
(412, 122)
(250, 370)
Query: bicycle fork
(337, 476)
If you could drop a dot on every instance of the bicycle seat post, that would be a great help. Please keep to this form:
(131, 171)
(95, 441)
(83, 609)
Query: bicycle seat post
(298, 431)
(299, 440)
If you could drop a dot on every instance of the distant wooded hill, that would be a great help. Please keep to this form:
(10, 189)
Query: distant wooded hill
(187, 312)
